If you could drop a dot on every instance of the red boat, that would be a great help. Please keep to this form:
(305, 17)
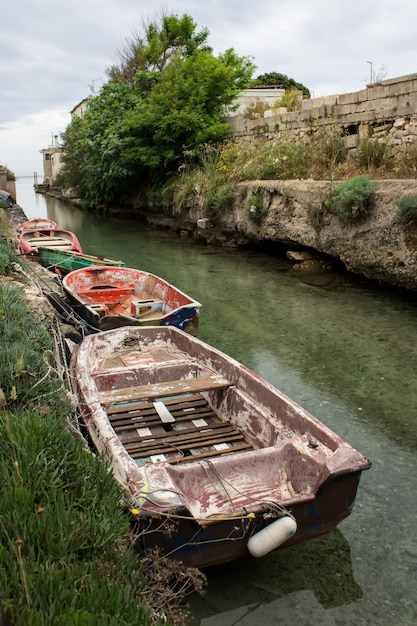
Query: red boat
(36, 223)
(107, 297)
(31, 240)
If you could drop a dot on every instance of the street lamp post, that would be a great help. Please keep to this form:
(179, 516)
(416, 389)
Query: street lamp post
(370, 72)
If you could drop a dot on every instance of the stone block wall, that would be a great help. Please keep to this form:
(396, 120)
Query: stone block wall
(386, 109)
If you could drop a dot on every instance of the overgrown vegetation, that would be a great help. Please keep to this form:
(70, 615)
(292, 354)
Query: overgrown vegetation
(407, 210)
(66, 550)
(322, 155)
(373, 153)
(352, 199)
(7, 254)
(64, 556)
(168, 95)
(25, 378)
(291, 100)
(157, 129)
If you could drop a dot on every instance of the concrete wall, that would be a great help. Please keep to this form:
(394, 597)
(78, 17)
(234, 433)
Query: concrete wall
(7, 185)
(52, 160)
(250, 98)
(387, 108)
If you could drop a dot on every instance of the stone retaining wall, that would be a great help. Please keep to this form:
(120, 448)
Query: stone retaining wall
(385, 109)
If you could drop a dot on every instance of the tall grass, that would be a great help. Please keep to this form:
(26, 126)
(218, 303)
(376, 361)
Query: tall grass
(62, 550)
(25, 378)
(321, 155)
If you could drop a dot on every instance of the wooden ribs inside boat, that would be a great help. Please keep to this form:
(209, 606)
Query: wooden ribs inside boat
(175, 429)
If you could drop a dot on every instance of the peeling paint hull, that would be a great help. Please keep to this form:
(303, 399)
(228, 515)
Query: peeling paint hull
(36, 222)
(31, 240)
(209, 452)
(110, 297)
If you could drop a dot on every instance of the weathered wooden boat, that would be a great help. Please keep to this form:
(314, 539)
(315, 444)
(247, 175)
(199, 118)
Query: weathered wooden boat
(65, 261)
(218, 463)
(35, 223)
(30, 241)
(108, 297)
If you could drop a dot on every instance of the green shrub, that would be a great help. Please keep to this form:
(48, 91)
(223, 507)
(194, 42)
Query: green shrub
(407, 210)
(353, 198)
(256, 206)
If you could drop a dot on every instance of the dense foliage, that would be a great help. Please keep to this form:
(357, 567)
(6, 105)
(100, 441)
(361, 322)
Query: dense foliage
(275, 79)
(168, 96)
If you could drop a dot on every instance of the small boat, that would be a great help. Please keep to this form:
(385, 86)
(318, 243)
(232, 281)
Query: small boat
(6, 197)
(218, 463)
(31, 240)
(65, 261)
(109, 297)
(35, 223)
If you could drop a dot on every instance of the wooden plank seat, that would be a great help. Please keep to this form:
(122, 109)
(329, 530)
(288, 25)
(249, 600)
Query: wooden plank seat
(160, 390)
(192, 431)
(56, 241)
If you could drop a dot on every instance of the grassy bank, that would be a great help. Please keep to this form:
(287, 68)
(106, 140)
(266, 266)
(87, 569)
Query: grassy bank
(213, 172)
(65, 546)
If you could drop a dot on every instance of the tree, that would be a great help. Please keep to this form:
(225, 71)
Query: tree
(279, 80)
(94, 147)
(169, 97)
(186, 108)
(155, 48)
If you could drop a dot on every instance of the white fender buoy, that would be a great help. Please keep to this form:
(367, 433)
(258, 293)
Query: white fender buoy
(272, 536)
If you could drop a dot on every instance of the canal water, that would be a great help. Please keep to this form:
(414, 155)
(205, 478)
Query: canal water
(344, 348)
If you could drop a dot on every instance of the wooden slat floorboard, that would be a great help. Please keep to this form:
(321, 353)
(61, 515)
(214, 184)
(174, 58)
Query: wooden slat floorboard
(144, 434)
(184, 434)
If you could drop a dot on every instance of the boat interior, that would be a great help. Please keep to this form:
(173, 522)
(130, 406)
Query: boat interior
(114, 300)
(49, 238)
(169, 408)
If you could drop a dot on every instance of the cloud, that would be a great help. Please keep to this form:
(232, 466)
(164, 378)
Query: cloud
(54, 54)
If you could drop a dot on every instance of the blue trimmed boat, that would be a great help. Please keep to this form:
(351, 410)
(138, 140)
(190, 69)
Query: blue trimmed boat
(109, 297)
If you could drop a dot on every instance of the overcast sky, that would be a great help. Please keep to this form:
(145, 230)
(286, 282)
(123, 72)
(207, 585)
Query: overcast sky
(54, 53)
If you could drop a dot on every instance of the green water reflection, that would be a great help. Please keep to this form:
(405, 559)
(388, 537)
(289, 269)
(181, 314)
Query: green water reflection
(347, 351)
